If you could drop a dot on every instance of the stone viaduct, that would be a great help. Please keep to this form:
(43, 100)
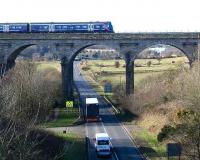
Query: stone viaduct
(68, 45)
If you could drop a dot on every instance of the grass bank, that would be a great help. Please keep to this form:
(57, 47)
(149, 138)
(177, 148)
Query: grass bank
(149, 145)
(74, 148)
(65, 118)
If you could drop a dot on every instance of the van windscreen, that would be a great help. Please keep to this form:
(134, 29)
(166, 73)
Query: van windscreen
(103, 142)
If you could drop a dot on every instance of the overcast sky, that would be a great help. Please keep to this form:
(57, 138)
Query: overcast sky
(125, 15)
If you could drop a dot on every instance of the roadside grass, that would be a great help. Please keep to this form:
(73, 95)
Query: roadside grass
(149, 145)
(65, 118)
(74, 148)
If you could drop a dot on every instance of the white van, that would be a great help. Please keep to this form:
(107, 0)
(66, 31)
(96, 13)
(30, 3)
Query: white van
(103, 145)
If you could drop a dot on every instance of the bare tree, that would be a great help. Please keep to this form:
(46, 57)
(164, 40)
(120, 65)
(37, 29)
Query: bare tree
(26, 97)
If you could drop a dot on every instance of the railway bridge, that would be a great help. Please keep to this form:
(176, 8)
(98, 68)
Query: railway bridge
(68, 45)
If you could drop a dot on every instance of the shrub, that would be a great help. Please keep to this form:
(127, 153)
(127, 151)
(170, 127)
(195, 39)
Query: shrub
(185, 113)
(85, 68)
(138, 65)
(169, 96)
(165, 132)
(149, 63)
(117, 64)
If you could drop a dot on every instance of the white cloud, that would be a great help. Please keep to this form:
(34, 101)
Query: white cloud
(126, 15)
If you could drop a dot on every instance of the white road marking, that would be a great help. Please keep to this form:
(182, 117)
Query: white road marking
(129, 135)
(104, 128)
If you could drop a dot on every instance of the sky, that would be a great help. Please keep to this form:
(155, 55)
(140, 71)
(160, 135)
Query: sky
(125, 15)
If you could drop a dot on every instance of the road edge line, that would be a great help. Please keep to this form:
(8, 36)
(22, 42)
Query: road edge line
(116, 110)
(126, 130)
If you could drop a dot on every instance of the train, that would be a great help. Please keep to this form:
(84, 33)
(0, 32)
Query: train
(53, 27)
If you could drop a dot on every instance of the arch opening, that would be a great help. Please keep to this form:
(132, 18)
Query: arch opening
(157, 59)
(104, 62)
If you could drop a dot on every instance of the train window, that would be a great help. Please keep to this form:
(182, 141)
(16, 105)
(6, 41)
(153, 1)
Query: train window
(77, 27)
(45, 27)
(64, 27)
(98, 27)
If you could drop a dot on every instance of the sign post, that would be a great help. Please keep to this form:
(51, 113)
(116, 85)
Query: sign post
(107, 88)
(174, 149)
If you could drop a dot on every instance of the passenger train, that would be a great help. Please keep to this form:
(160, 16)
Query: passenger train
(77, 27)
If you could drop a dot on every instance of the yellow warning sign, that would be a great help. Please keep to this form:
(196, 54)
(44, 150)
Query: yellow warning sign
(69, 104)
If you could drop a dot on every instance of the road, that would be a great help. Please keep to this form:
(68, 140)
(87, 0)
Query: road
(124, 148)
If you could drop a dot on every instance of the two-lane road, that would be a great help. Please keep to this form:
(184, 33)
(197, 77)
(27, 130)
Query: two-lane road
(124, 148)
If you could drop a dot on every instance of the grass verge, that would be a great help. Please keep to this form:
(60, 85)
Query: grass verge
(65, 118)
(149, 145)
(74, 148)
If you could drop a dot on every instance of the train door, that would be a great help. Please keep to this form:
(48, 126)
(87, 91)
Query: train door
(90, 27)
(5, 28)
(51, 27)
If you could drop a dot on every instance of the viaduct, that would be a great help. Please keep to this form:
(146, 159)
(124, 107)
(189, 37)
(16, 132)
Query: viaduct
(68, 45)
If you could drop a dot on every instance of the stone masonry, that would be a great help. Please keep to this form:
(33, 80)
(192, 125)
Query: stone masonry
(68, 45)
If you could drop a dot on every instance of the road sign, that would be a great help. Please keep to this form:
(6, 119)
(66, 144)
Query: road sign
(108, 88)
(174, 149)
(69, 104)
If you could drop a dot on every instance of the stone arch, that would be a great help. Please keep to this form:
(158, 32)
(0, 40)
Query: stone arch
(188, 55)
(67, 67)
(78, 51)
(11, 59)
(189, 49)
(132, 52)
(81, 48)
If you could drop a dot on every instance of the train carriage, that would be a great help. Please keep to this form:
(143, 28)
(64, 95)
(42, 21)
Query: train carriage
(14, 27)
(39, 27)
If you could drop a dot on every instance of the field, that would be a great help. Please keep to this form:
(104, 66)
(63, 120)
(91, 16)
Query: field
(49, 65)
(107, 71)
(101, 71)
